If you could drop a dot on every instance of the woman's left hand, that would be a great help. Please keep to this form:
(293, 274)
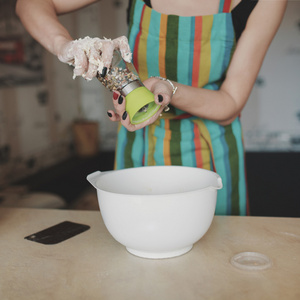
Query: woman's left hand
(162, 91)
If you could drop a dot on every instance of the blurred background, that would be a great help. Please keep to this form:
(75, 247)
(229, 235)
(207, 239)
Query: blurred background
(54, 130)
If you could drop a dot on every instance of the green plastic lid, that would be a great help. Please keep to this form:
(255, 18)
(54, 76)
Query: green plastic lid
(140, 105)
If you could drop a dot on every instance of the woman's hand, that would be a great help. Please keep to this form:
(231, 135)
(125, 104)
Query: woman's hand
(90, 56)
(162, 91)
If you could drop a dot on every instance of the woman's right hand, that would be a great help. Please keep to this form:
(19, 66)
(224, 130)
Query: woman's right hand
(90, 56)
(162, 91)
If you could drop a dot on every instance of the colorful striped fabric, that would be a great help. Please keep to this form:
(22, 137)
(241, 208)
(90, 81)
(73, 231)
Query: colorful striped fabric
(195, 51)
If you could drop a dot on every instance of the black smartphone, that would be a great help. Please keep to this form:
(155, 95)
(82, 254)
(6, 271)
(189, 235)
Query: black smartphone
(57, 233)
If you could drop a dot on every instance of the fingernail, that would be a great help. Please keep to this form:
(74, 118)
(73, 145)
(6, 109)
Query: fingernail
(115, 96)
(109, 114)
(120, 101)
(124, 115)
(160, 98)
(104, 70)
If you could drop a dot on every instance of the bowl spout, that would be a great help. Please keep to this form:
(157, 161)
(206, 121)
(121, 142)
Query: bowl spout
(92, 178)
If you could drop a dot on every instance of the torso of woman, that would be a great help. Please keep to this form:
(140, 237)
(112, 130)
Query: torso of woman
(240, 9)
(186, 8)
(190, 42)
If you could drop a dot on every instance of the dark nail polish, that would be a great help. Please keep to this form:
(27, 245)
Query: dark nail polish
(160, 98)
(109, 114)
(120, 101)
(124, 115)
(104, 70)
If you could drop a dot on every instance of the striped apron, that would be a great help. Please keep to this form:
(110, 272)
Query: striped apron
(194, 51)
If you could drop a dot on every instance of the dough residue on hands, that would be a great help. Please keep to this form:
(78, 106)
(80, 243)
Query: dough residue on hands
(92, 47)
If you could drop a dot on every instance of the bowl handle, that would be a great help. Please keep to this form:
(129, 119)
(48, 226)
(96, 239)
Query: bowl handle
(216, 185)
(92, 178)
(219, 182)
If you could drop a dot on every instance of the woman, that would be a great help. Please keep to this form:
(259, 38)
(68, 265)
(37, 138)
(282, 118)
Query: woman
(210, 52)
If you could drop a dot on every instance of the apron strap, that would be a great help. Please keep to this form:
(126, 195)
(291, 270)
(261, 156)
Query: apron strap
(225, 6)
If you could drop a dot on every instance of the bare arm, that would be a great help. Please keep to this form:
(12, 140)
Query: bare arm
(225, 105)
(39, 17)
(89, 56)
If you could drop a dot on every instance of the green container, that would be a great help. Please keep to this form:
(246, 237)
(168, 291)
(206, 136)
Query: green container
(140, 103)
(123, 77)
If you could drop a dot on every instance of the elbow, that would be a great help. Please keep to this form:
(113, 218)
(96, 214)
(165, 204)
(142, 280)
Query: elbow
(227, 121)
(231, 110)
(229, 118)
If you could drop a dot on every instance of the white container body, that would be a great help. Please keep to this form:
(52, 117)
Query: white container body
(159, 211)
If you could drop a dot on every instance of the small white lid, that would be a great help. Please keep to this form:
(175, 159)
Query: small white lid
(251, 261)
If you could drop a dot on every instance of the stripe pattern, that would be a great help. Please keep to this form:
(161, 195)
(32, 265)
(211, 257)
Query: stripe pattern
(195, 51)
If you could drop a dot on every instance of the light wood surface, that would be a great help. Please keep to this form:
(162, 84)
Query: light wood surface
(92, 265)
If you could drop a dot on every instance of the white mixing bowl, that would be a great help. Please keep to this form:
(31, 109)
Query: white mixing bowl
(157, 211)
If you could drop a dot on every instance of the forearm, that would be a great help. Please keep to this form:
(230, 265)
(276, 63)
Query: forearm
(218, 106)
(40, 20)
(224, 105)
(39, 17)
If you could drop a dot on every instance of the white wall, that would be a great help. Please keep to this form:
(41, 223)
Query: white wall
(36, 118)
(271, 118)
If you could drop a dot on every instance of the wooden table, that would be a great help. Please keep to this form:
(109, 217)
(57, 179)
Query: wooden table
(92, 265)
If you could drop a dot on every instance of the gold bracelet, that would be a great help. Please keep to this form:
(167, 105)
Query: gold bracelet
(174, 89)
